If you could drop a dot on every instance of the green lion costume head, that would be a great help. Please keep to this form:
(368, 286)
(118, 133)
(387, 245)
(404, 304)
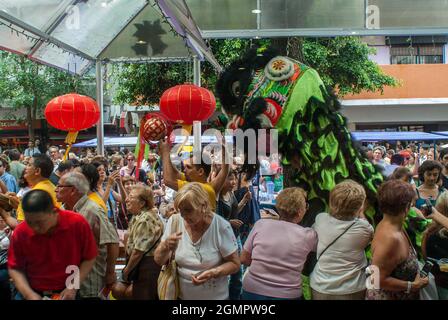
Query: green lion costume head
(264, 90)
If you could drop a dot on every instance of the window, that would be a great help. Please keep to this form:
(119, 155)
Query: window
(421, 54)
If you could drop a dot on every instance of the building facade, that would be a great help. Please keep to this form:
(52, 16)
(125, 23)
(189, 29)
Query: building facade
(419, 102)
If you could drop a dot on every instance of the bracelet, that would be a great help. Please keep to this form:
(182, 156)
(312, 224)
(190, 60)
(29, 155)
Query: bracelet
(408, 290)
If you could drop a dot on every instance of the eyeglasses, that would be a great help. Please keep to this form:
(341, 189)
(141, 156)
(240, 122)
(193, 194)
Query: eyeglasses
(62, 186)
(130, 159)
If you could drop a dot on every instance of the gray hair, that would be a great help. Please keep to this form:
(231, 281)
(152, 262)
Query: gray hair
(78, 180)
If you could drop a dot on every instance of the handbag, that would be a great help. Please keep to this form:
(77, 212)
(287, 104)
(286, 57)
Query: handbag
(312, 258)
(122, 290)
(430, 291)
(168, 281)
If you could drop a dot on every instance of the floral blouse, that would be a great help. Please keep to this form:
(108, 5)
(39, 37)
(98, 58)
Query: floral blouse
(145, 230)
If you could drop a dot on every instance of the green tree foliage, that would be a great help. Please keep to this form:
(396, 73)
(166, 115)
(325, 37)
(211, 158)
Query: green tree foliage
(144, 84)
(343, 63)
(27, 84)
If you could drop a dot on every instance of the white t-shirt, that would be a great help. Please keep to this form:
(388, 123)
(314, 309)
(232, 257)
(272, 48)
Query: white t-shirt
(23, 191)
(217, 242)
(340, 270)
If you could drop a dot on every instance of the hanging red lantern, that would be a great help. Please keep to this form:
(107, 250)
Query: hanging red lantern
(72, 112)
(187, 103)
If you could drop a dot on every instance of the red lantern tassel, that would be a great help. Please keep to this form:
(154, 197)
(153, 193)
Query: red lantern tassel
(69, 140)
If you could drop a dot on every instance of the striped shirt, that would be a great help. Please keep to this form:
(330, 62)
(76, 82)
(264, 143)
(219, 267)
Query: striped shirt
(104, 233)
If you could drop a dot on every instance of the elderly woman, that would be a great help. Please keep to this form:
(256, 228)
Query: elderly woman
(276, 251)
(343, 236)
(145, 232)
(393, 253)
(436, 243)
(204, 245)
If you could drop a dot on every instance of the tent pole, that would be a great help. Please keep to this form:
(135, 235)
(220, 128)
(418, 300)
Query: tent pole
(196, 71)
(99, 100)
(197, 126)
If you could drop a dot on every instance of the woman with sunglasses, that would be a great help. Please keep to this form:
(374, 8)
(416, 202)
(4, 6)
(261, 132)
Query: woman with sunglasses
(131, 167)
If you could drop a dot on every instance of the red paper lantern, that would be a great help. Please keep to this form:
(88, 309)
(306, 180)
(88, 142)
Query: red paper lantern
(187, 103)
(72, 112)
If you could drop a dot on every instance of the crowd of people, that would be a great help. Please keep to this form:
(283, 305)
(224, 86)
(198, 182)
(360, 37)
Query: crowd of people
(83, 214)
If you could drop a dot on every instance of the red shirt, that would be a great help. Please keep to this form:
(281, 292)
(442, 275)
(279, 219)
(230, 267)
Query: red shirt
(44, 258)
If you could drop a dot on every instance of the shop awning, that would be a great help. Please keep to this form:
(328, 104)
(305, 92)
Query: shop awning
(372, 136)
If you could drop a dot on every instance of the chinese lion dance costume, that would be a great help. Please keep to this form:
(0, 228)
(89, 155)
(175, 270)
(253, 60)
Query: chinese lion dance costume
(267, 91)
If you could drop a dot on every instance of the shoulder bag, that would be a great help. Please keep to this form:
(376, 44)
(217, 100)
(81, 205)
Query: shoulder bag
(312, 258)
(122, 290)
(168, 281)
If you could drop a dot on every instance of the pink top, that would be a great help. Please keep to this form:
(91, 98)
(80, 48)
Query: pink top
(279, 250)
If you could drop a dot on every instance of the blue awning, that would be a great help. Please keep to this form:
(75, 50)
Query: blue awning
(132, 141)
(372, 136)
(443, 133)
(366, 136)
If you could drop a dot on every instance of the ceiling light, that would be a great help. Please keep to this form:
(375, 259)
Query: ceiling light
(104, 4)
(256, 11)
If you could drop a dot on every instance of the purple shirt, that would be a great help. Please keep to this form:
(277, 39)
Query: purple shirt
(279, 250)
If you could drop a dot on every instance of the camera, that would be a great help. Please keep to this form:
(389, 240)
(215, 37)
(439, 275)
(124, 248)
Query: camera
(427, 208)
(426, 268)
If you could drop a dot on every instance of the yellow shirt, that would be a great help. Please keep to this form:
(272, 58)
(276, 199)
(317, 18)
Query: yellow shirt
(44, 185)
(207, 187)
(95, 197)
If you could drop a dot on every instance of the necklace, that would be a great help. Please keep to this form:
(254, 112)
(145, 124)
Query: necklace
(197, 249)
(197, 246)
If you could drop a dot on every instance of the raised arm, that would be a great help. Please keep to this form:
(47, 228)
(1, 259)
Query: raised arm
(439, 218)
(3, 188)
(170, 173)
(9, 220)
(221, 177)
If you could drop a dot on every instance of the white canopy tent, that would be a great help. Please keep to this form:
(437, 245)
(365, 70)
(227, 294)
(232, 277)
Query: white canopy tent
(72, 35)
(317, 18)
